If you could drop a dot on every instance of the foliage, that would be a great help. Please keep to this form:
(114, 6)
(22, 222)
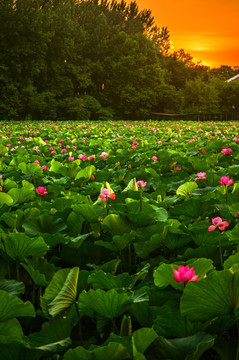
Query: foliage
(83, 277)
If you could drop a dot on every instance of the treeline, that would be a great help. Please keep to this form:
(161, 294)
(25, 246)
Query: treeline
(99, 59)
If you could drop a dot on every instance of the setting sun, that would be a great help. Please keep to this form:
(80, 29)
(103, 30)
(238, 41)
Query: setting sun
(209, 32)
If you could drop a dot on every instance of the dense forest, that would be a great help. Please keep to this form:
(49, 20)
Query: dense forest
(99, 59)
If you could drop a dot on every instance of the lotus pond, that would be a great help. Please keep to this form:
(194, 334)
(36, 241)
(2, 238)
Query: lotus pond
(119, 240)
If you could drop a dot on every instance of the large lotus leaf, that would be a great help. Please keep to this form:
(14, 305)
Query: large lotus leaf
(19, 246)
(90, 212)
(144, 248)
(202, 237)
(55, 347)
(189, 209)
(10, 330)
(137, 343)
(13, 219)
(30, 169)
(61, 292)
(232, 262)
(144, 313)
(85, 173)
(12, 307)
(116, 224)
(112, 351)
(38, 278)
(74, 223)
(5, 199)
(148, 215)
(107, 303)
(57, 329)
(124, 240)
(44, 224)
(233, 235)
(55, 166)
(217, 294)
(171, 324)
(9, 184)
(12, 287)
(40, 270)
(78, 241)
(14, 351)
(163, 275)
(55, 239)
(186, 189)
(141, 339)
(189, 348)
(21, 195)
(107, 281)
(106, 244)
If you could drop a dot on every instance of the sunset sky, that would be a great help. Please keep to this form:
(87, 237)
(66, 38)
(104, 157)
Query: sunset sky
(207, 29)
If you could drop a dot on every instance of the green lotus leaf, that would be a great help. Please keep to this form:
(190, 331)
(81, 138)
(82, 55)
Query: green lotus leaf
(85, 173)
(107, 303)
(61, 292)
(10, 330)
(231, 262)
(217, 294)
(90, 212)
(21, 195)
(186, 189)
(5, 199)
(107, 281)
(141, 339)
(57, 329)
(12, 307)
(44, 224)
(19, 246)
(12, 287)
(112, 351)
(189, 348)
(116, 224)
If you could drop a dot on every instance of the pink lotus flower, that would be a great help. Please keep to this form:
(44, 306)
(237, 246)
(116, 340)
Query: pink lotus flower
(154, 158)
(105, 194)
(226, 151)
(44, 167)
(82, 157)
(217, 222)
(41, 190)
(63, 151)
(224, 180)
(185, 274)
(53, 152)
(201, 175)
(91, 158)
(177, 168)
(135, 143)
(159, 142)
(36, 162)
(71, 158)
(141, 184)
(104, 155)
(133, 147)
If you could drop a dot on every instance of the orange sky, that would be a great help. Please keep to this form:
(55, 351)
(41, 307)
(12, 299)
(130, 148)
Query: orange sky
(207, 29)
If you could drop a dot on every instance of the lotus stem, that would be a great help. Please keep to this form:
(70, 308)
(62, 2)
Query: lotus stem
(220, 252)
(185, 320)
(140, 200)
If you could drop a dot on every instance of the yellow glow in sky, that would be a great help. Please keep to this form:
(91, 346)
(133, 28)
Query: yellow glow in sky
(207, 29)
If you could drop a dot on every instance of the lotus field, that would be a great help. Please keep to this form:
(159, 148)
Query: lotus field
(119, 240)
